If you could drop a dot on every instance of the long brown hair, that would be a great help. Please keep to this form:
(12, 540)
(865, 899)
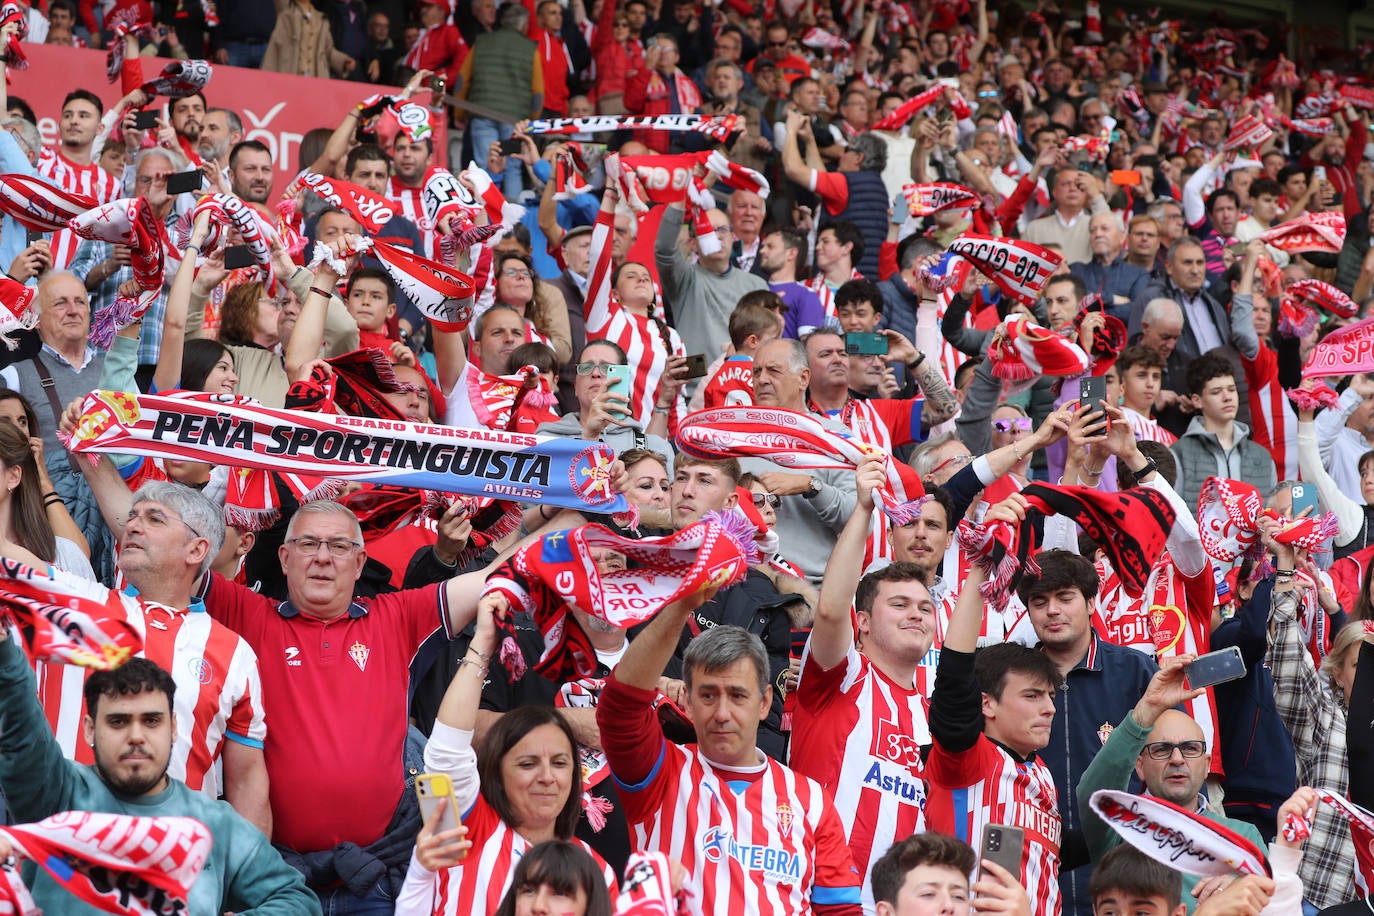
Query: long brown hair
(238, 317)
(28, 518)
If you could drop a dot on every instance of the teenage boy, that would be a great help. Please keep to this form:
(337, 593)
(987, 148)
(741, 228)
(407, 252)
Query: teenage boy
(988, 720)
(1215, 443)
(1141, 370)
(927, 875)
(372, 302)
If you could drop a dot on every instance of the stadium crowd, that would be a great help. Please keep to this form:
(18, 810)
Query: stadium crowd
(905, 450)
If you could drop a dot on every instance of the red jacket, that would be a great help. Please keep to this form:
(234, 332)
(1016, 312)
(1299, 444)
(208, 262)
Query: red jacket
(650, 93)
(614, 62)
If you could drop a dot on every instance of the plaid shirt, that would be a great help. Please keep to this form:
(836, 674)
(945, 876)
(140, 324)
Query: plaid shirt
(1316, 720)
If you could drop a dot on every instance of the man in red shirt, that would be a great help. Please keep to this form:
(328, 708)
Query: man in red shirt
(553, 58)
(778, 39)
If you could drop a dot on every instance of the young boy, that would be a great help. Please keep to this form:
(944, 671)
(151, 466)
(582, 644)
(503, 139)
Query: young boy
(1215, 444)
(1129, 882)
(372, 302)
(1264, 209)
(927, 875)
(1141, 370)
(756, 320)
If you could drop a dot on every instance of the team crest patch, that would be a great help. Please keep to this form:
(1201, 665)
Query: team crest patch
(784, 814)
(590, 474)
(359, 653)
(201, 670)
(1104, 731)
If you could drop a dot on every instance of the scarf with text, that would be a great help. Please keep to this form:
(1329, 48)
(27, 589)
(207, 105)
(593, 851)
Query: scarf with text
(1184, 840)
(67, 619)
(180, 79)
(562, 571)
(1020, 269)
(792, 440)
(1324, 296)
(226, 429)
(1309, 232)
(442, 294)
(938, 196)
(38, 205)
(1131, 527)
(142, 866)
(1228, 514)
(372, 211)
(1345, 351)
(717, 127)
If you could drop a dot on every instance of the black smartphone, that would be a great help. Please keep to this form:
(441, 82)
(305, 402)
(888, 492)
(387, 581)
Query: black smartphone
(236, 256)
(1092, 392)
(696, 366)
(1304, 497)
(145, 119)
(1003, 845)
(185, 182)
(438, 88)
(1215, 668)
(511, 146)
(858, 343)
(33, 235)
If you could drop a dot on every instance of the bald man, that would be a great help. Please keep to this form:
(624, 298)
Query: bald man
(1168, 751)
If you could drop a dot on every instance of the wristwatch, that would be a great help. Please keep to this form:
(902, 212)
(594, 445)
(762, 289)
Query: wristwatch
(1150, 467)
(813, 490)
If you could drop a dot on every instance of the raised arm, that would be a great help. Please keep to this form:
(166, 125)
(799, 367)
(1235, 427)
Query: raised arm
(308, 335)
(832, 634)
(167, 374)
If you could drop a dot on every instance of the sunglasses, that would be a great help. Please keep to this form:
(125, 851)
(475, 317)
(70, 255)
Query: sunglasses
(777, 44)
(1020, 424)
(767, 499)
(1163, 750)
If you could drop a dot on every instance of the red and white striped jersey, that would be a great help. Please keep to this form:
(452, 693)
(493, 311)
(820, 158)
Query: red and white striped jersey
(218, 690)
(1273, 422)
(647, 342)
(863, 738)
(752, 841)
(90, 180)
(1173, 616)
(411, 202)
(1147, 429)
(478, 884)
(987, 785)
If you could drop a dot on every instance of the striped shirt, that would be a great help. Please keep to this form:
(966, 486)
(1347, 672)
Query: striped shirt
(412, 207)
(90, 180)
(477, 885)
(864, 734)
(759, 840)
(1273, 422)
(1147, 429)
(218, 696)
(647, 342)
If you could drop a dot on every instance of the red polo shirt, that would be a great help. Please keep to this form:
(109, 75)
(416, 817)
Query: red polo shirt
(335, 696)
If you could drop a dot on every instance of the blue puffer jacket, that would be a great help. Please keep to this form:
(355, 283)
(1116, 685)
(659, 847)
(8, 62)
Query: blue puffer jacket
(1097, 694)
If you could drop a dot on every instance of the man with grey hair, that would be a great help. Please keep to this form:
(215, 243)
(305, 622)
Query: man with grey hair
(168, 538)
(814, 506)
(20, 144)
(854, 193)
(676, 797)
(221, 132)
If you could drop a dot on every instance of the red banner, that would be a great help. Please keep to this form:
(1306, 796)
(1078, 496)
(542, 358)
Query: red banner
(277, 110)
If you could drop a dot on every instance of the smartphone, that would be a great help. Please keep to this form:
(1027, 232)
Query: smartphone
(1092, 391)
(865, 344)
(432, 788)
(145, 120)
(696, 366)
(1215, 668)
(1304, 497)
(33, 235)
(438, 88)
(1003, 844)
(618, 379)
(511, 146)
(237, 256)
(185, 182)
(1318, 173)
(1125, 178)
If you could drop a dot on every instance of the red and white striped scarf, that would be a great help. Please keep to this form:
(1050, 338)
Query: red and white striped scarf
(790, 439)
(142, 866)
(1309, 232)
(73, 621)
(40, 205)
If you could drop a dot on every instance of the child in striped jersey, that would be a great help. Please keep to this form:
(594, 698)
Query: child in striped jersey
(987, 722)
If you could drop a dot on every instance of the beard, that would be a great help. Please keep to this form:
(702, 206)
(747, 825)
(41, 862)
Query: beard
(133, 785)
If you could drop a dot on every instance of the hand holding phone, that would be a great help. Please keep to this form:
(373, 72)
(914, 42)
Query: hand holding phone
(1215, 668)
(1304, 501)
(618, 379)
(1003, 845)
(1092, 392)
(865, 344)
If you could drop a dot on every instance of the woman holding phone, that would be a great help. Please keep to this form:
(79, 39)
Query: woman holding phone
(525, 789)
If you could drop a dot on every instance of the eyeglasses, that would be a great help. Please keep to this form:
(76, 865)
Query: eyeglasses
(1163, 750)
(308, 546)
(516, 273)
(723, 231)
(156, 518)
(958, 461)
(585, 369)
(989, 94)
(1020, 424)
(767, 499)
